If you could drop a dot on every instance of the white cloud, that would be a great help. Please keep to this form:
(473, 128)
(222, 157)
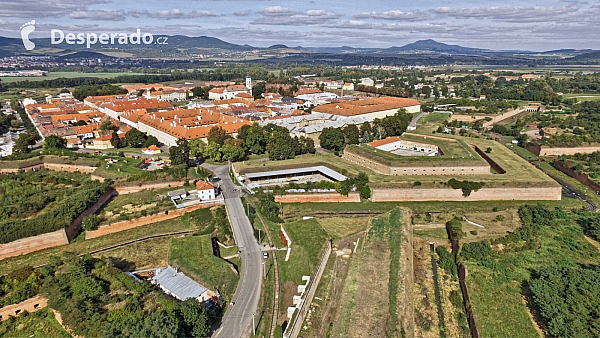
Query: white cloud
(393, 15)
(172, 14)
(99, 15)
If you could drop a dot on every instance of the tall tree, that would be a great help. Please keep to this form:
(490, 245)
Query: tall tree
(135, 138)
(180, 153)
(351, 134)
(332, 138)
(54, 142)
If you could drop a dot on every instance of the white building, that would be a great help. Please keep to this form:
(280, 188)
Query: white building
(367, 81)
(229, 92)
(206, 191)
(180, 286)
(395, 143)
(317, 98)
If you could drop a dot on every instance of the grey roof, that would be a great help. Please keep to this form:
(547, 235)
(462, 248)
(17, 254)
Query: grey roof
(177, 193)
(180, 285)
(322, 169)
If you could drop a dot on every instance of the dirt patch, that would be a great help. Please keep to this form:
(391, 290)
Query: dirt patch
(290, 289)
(593, 242)
(426, 318)
(406, 308)
(329, 293)
(363, 313)
(495, 224)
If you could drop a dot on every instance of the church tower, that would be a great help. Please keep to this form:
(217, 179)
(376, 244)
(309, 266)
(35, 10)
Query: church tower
(249, 83)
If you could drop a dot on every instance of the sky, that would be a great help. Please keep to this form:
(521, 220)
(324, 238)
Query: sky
(506, 25)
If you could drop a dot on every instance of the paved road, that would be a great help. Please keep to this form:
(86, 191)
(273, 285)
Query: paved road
(237, 321)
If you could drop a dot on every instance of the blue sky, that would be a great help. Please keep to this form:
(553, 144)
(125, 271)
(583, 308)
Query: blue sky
(537, 25)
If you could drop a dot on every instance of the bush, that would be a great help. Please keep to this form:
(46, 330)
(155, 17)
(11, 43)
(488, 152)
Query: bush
(476, 250)
(466, 186)
(446, 261)
(90, 222)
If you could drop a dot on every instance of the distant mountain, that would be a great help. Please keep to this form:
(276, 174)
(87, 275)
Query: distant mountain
(278, 46)
(9, 41)
(180, 41)
(567, 51)
(84, 55)
(432, 46)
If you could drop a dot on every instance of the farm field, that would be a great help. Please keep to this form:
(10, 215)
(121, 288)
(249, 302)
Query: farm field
(34, 203)
(68, 75)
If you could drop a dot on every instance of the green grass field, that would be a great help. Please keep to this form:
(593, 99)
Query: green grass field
(296, 210)
(583, 97)
(39, 324)
(193, 255)
(307, 238)
(343, 226)
(68, 75)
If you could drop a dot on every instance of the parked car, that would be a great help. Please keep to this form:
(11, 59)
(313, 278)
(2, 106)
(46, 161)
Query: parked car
(265, 255)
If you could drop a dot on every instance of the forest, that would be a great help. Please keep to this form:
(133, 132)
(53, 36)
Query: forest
(34, 203)
(96, 299)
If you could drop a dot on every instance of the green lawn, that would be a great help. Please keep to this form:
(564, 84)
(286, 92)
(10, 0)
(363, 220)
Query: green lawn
(68, 75)
(193, 255)
(293, 210)
(39, 324)
(583, 97)
(307, 238)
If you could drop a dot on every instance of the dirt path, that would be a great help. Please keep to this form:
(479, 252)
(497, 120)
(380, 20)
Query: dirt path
(593, 242)
(407, 305)
(59, 320)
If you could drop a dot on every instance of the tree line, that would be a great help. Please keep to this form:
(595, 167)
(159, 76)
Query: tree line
(275, 141)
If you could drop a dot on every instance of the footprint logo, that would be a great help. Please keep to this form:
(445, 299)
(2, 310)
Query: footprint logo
(26, 29)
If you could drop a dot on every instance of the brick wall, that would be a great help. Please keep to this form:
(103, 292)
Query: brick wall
(567, 151)
(137, 188)
(134, 223)
(304, 198)
(413, 170)
(483, 194)
(29, 305)
(35, 243)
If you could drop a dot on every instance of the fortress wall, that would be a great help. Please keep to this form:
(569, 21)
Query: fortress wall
(384, 169)
(29, 305)
(483, 194)
(567, 151)
(137, 188)
(35, 243)
(304, 198)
